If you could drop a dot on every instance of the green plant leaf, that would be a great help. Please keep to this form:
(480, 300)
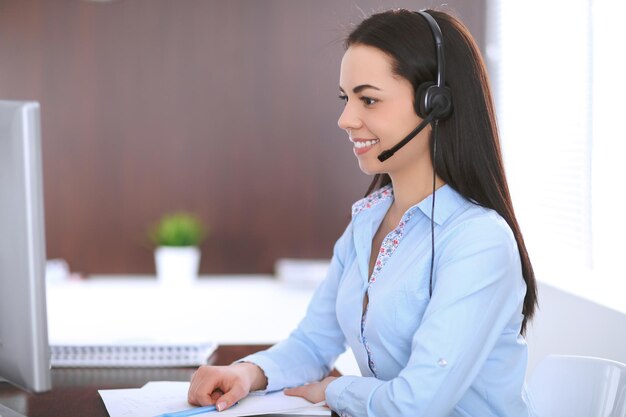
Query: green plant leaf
(178, 229)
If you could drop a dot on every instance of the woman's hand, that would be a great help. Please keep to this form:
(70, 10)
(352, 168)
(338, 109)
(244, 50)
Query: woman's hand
(224, 385)
(315, 392)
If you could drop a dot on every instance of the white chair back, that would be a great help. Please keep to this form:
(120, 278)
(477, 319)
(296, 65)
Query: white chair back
(579, 386)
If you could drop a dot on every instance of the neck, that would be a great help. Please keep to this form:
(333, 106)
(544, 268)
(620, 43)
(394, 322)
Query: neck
(411, 187)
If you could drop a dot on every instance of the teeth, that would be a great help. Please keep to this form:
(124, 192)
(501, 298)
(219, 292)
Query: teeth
(365, 144)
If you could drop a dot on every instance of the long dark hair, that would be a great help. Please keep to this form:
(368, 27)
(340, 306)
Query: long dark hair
(468, 156)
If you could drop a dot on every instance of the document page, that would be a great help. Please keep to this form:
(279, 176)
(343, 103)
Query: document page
(156, 398)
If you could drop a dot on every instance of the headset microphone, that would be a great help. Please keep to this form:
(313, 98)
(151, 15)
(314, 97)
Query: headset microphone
(384, 155)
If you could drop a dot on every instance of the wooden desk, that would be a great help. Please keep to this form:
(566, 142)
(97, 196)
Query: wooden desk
(75, 391)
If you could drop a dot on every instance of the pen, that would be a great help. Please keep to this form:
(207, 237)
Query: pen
(190, 412)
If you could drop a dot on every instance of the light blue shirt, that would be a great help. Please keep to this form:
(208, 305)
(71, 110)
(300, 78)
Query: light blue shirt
(459, 353)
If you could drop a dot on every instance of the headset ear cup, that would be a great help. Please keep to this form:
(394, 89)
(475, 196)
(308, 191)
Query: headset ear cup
(431, 97)
(439, 98)
(421, 97)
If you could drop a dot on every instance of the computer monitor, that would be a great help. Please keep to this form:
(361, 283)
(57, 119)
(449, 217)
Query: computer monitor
(24, 350)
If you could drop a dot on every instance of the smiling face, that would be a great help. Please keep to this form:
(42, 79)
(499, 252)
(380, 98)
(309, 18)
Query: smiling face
(379, 112)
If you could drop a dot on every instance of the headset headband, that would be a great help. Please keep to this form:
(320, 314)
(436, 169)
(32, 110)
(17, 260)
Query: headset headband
(441, 61)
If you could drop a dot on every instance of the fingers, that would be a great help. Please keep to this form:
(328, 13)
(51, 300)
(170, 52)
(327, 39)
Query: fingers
(219, 385)
(236, 393)
(311, 392)
(203, 383)
(215, 395)
(294, 392)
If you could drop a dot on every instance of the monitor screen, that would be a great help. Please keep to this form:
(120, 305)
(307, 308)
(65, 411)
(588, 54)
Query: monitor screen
(24, 350)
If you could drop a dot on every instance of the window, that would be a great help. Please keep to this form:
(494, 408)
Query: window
(557, 70)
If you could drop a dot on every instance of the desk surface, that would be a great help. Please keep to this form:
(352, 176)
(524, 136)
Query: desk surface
(75, 391)
(79, 311)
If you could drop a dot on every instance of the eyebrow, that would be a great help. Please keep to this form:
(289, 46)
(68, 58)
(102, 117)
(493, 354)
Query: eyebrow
(360, 88)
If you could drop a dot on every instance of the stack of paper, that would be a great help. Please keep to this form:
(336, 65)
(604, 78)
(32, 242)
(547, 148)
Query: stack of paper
(156, 398)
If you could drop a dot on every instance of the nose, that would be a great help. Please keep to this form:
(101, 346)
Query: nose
(349, 118)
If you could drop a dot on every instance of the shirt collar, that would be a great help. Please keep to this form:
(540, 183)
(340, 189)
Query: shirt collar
(378, 196)
(447, 201)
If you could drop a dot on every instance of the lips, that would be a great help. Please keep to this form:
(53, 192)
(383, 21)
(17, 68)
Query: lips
(362, 145)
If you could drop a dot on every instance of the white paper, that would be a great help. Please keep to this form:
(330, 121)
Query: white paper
(160, 397)
(145, 402)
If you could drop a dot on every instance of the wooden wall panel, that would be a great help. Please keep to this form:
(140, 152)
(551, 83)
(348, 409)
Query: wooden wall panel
(224, 108)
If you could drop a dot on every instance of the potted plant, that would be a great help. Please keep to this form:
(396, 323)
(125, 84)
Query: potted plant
(177, 238)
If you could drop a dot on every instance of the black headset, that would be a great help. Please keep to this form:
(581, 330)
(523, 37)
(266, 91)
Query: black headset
(434, 97)
(434, 101)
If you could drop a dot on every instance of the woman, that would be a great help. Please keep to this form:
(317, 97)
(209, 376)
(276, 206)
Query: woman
(432, 290)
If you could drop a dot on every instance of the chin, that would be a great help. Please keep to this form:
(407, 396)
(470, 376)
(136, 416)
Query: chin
(368, 169)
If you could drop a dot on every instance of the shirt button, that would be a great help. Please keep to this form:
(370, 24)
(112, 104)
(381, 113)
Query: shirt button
(442, 362)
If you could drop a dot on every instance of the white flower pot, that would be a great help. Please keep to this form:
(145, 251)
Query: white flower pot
(177, 266)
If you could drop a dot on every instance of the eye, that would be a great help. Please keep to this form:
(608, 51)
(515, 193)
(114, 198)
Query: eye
(343, 98)
(368, 100)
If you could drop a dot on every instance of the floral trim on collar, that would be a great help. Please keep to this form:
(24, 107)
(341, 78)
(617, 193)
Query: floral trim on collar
(389, 245)
(373, 199)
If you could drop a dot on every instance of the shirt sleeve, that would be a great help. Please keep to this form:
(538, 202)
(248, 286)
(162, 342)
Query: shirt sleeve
(309, 352)
(478, 293)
